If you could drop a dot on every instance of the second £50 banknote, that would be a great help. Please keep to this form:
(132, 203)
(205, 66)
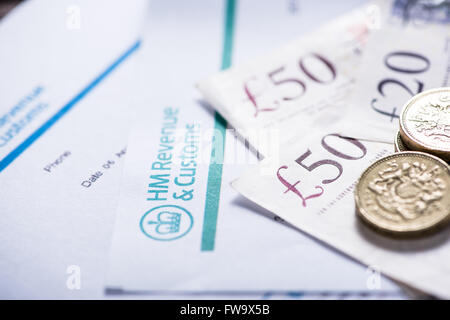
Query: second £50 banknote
(311, 187)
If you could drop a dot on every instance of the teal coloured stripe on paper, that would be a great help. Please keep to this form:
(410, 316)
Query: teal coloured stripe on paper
(218, 145)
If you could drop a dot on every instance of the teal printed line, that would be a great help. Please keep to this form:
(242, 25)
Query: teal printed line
(6, 161)
(218, 145)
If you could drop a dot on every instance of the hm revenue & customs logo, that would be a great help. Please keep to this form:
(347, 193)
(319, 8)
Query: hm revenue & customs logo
(168, 222)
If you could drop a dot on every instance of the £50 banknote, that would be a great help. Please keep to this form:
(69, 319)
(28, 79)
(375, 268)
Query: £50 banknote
(312, 188)
(280, 96)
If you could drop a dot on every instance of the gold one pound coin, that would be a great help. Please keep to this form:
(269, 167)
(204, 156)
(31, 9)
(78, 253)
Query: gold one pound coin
(405, 193)
(399, 146)
(425, 122)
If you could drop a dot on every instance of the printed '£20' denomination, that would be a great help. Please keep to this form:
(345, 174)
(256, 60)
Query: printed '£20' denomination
(396, 66)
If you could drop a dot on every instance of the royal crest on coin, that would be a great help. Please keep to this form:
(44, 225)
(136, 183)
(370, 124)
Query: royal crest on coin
(433, 121)
(406, 191)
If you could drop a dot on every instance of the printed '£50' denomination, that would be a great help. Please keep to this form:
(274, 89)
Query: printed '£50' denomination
(307, 83)
(302, 83)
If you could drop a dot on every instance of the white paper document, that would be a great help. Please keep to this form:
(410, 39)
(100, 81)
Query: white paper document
(180, 226)
(67, 73)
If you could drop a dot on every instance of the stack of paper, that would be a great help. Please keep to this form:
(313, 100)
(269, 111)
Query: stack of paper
(116, 168)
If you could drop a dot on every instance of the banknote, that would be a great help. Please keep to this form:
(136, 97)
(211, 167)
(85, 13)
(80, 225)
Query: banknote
(396, 66)
(276, 99)
(312, 188)
(302, 84)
